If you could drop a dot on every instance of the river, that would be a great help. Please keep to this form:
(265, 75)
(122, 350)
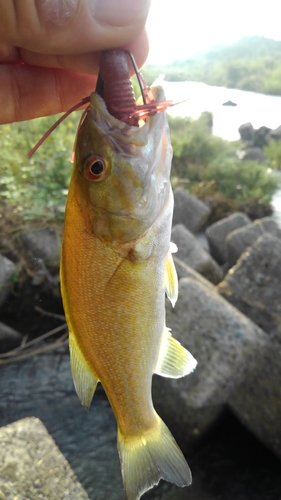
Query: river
(259, 109)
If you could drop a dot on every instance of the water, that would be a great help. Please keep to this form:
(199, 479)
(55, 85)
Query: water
(259, 109)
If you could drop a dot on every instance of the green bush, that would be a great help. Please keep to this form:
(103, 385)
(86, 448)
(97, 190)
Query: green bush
(238, 180)
(36, 186)
(193, 144)
(207, 167)
(273, 153)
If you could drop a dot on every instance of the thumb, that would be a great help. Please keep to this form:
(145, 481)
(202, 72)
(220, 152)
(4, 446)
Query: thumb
(71, 26)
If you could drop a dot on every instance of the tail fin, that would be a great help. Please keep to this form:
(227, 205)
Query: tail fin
(150, 457)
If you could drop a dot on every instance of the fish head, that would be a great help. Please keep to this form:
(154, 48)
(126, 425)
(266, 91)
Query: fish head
(123, 172)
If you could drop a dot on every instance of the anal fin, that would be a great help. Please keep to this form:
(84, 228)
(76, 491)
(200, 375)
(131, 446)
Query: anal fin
(171, 278)
(174, 360)
(85, 381)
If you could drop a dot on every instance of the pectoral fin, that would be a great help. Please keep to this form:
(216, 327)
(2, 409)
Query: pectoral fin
(174, 360)
(171, 279)
(85, 381)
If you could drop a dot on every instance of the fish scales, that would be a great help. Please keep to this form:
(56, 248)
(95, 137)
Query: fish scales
(119, 332)
(116, 265)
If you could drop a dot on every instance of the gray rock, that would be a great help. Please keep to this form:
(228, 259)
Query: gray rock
(42, 386)
(7, 269)
(262, 136)
(255, 154)
(240, 239)
(217, 233)
(276, 133)
(185, 271)
(190, 211)
(229, 103)
(269, 225)
(9, 338)
(44, 244)
(257, 402)
(254, 284)
(31, 465)
(223, 341)
(202, 238)
(247, 133)
(42, 274)
(192, 253)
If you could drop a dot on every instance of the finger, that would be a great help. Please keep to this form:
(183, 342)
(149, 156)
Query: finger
(8, 53)
(28, 92)
(85, 63)
(71, 26)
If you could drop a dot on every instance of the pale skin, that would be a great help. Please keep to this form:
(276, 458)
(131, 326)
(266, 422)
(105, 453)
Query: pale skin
(50, 49)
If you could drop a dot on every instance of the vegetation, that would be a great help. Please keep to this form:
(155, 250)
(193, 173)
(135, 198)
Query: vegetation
(253, 63)
(206, 165)
(36, 186)
(208, 168)
(273, 153)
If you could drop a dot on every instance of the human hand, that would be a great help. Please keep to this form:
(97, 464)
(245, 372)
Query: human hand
(50, 49)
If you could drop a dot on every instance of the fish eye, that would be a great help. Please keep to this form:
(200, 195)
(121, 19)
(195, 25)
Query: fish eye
(95, 168)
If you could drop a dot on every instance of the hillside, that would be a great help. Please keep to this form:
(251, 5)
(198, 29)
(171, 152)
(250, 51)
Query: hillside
(252, 63)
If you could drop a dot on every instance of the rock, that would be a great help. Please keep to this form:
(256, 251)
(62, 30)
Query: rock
(240, 239)
(185, 271)
(42, 274)
(31, 465)
(192, 253)
(255, 154)
(202, 238)
(229, 103)
(44, 244)
(269, 225)
(217, 233)
(247, 133)
(9, 339)
(255, 139)
(262, 136)
(42, 386)
(276, 133)
(257, 402)
(189, 211)
(7, 269)
(254, 284)
(223, 341)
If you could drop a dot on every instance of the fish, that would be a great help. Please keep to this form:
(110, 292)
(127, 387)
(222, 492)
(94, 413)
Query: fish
(117, 267)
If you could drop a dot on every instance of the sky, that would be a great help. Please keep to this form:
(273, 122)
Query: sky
(179, 28)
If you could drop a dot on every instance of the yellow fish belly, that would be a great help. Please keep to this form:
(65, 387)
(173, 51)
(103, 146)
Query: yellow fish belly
(116, 266)
(115, 309)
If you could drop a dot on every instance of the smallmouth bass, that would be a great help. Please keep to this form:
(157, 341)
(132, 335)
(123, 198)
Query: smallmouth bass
(116, 265)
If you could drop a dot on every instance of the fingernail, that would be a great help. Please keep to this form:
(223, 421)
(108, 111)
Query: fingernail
(119, 12)
(53, 13)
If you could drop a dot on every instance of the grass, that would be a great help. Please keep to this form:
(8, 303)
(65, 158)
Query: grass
(36, 188)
